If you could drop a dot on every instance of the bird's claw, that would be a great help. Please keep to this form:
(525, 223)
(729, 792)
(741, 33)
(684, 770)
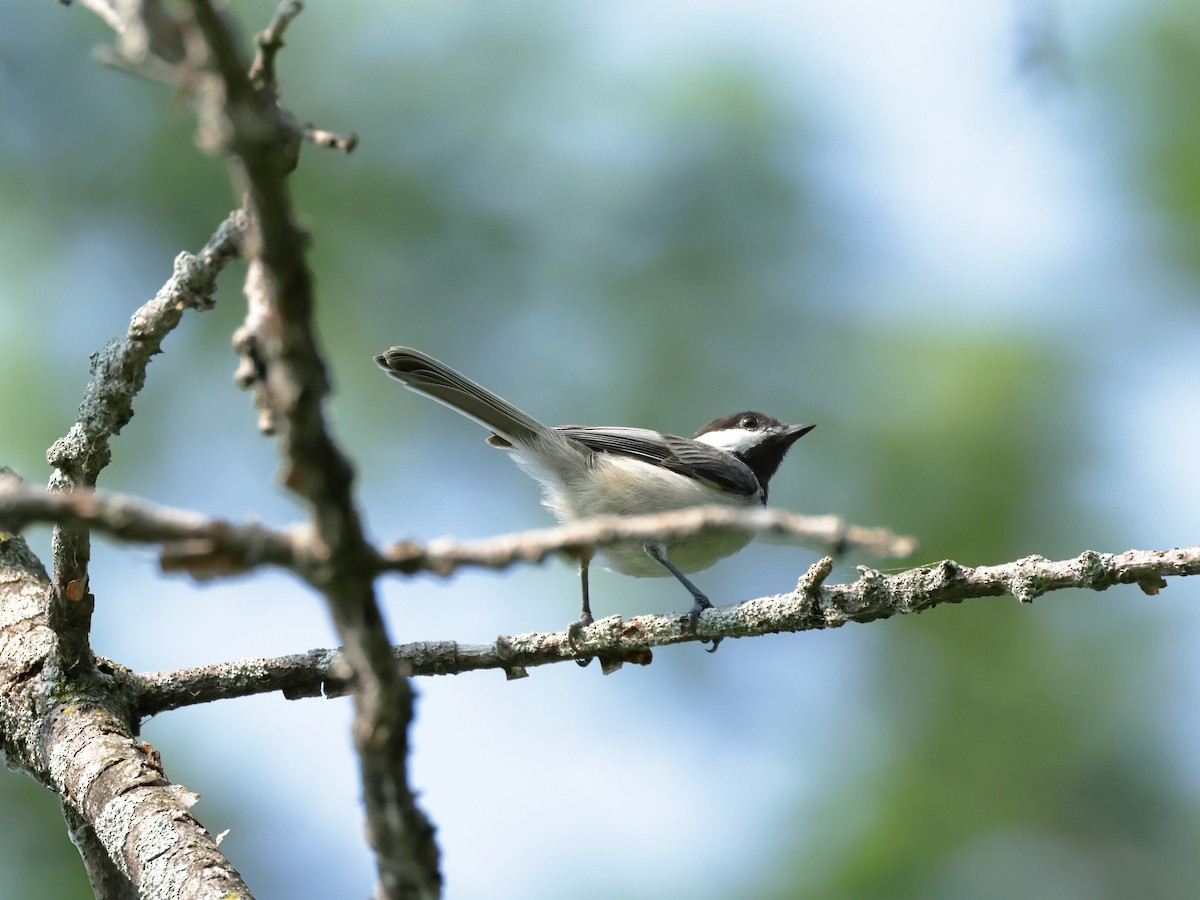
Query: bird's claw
(574, 630)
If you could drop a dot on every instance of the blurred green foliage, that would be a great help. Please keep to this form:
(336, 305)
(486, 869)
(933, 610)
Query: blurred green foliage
(1148, 77)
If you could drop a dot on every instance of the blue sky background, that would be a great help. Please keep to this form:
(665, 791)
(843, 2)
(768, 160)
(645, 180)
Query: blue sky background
(959, 237)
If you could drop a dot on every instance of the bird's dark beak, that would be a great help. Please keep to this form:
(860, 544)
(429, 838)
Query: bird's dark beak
(789, 434)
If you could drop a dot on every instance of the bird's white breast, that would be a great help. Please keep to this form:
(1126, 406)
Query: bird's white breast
(627, 487)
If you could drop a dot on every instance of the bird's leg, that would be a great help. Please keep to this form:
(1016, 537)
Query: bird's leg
(585, 613)
(658, 553)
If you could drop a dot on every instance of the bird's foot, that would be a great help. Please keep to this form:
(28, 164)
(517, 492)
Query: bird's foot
(693, 619)
(574, 631)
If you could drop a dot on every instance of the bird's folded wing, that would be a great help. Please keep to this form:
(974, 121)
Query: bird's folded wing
(676, 454)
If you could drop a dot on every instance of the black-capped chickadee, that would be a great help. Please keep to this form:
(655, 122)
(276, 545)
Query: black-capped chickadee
(588, 471)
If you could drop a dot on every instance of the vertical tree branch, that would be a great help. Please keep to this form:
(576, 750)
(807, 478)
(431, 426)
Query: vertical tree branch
(283, 366)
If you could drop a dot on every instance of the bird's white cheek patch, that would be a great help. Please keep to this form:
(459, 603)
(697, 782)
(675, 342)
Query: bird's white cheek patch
(731, 440)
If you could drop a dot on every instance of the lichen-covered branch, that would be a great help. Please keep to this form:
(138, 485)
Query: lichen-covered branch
(107, 880)
(298, 675)
(76, 736)
(119, 368)
(118, 373)
(812, 605)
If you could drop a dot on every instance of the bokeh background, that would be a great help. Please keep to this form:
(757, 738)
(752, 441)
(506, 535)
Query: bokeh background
(962, 238)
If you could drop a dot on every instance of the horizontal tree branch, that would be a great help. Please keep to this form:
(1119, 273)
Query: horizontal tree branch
(205, 547)
(811, 606)
(212, 547)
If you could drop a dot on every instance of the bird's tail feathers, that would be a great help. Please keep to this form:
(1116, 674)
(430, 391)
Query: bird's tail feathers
(425, 375)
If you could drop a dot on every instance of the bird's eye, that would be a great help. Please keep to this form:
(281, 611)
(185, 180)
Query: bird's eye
(748, 422)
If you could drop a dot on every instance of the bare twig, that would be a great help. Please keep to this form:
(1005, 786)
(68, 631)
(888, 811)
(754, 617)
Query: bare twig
(328, 140)
(811, 606)
(269, 42)
(118, 373)
(825, 534)
(282, 363)
(262, 75)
